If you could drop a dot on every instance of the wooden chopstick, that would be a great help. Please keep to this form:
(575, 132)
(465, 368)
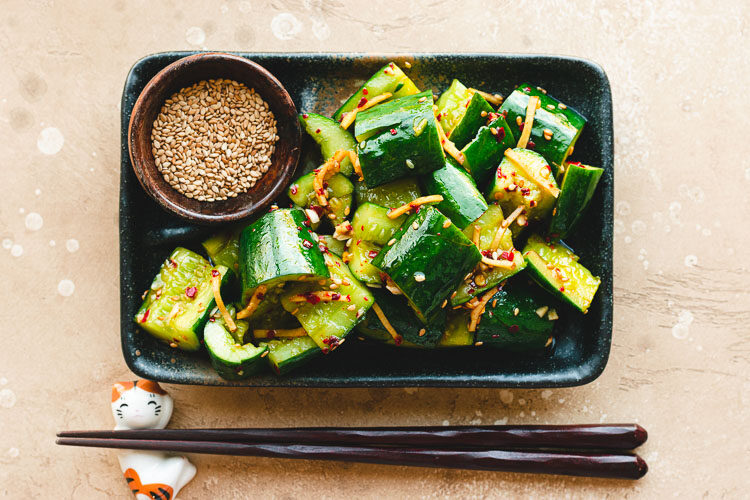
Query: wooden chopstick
(608, 465)
(597, 436)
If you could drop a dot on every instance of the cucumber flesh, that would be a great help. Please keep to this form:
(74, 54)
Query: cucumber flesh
(285, 355)
(555, 267)
(224, 248)
(389, 78)
(329, 322)
(402, 318)
(390, 195)
(371, 223)
(186, 277)
(231, 360)
(361, 255)
(330, 137)
(452, 105)
(488, 224)
(326, 242)
(339, 193)
(457, 332)
(462, 202)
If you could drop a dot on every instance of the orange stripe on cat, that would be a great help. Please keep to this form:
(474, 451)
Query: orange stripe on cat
(147, 385)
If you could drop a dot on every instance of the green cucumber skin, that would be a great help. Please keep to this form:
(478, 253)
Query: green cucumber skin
(565, 123)
(484, 152)
(330, 137)
(390, 195)
(452, 105)
(328, 242)
(218, 338)
(224, 248)
(462, 202)
(489, 223)
(371, 223)
(185, 331)
(578, 187)
(500, 327)
(538, 253)
(443, 254)
(285, 355)
(471, 122)
(329, 322)
(404, 321)
(389, 78)
(403, 129)
(278, 247)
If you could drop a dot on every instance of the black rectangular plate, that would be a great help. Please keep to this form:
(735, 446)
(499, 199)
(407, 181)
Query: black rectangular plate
(318, 83)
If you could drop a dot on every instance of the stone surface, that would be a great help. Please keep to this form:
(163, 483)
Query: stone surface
(679, 364)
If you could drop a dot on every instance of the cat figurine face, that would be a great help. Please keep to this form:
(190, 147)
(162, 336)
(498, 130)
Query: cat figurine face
(142, 404)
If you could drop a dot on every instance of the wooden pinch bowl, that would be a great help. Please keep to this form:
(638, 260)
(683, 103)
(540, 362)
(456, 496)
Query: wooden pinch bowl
(184, 73)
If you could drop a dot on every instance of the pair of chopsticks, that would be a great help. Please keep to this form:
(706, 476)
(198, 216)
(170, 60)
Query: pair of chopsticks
(599, 450)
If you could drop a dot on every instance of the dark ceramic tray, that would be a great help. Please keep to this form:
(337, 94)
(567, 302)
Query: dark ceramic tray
(319, 82)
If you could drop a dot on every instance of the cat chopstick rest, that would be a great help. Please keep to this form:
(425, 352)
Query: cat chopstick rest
(151, 475)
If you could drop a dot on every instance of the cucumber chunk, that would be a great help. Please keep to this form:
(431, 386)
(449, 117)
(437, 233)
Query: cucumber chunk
(328, 323)
(457, 332)
(224, 248)
(512, 187)
(460, 113)
(402, 318)
(330, 137)
(277, 248)
(399, 138)
(564, 122)
(339, 193)
(427, 260)
(371, 223)
(462, 202)
(577, 188)
(555, 267)
(288, 354)
(517, 318)
(361, 255)
(389, 78)
(180, 299)
(231, 360)
(485, 151)
(331, 244)
(390, 195)
(489, 223)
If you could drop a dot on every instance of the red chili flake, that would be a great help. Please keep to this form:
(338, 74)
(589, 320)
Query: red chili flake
(531, 144)
(307, 244)
(362, 102)
(467, 104)
(261, 296)
(173, 262)
(191, 291)
(576, 163)
(311, 298)
(349, 299)
(506, 255)
(520, 127)
(317, 131)
(513, 328)
(305, 116)
(215, 272)
(212, 320)
(392, 67)
(486, 253)
(317, 209)
(525, 191)
(393, 131)
(271, 334)
(532, 203)
(500, 134)
(372, 253)
(562, 288)
(495, 335)
(492, 116)
(306, 222)
(398, 340)
(439, 116)
(504, 113)
(364, 92)
(145, 316)
(335, 296)
(527, 89)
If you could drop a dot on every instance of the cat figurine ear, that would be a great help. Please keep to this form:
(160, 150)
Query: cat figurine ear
(143, 404)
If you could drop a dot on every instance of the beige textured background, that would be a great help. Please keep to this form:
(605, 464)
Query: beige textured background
(679, 363)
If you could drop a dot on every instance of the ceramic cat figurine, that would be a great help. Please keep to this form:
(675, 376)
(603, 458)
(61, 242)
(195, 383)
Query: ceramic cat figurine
(151, 475)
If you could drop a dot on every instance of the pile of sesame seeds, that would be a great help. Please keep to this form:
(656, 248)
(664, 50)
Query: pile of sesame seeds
(214, 140)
